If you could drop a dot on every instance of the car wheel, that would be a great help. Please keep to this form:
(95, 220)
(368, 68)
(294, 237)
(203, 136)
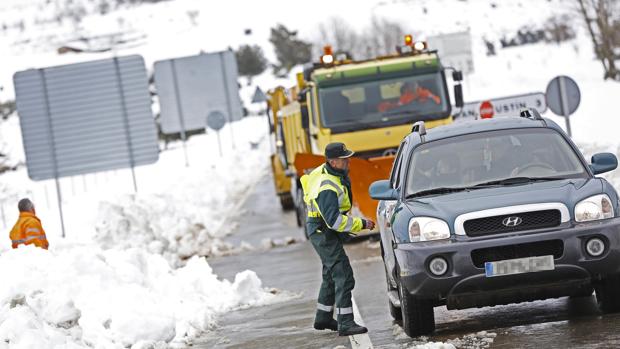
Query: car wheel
(418, 315)
(395, 311)
(608, 294)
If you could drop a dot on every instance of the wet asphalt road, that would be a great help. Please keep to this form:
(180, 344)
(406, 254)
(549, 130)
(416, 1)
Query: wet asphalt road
(557, 323)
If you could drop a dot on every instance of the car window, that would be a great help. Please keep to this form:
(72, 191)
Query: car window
(491, 156)
(395, 175)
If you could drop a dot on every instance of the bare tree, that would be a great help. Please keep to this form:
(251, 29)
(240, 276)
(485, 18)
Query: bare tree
(602, 18)
(384, 35)
(379, 38)
(341, 36)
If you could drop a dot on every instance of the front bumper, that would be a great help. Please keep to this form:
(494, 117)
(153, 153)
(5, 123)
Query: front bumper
(465, 284)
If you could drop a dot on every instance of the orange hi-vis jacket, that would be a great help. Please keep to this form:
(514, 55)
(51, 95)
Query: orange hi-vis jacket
(28, 230)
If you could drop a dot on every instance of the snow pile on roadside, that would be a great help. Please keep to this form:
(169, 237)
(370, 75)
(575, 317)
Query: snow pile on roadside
(83, 296)
(189, 210)
(479, 340)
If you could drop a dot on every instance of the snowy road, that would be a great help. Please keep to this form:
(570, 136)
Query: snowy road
(558, 323)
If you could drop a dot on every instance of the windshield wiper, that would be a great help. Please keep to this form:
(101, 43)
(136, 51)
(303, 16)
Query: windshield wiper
(401, 113)
(517, 180)
(440, 190)
(505, 181)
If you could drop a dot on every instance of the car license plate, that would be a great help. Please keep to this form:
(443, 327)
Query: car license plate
(519, 266)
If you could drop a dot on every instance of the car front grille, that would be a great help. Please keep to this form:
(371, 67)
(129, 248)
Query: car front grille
(532, 249)
(512, 222)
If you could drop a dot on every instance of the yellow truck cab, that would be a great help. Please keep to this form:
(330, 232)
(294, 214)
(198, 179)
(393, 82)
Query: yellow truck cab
(369, 105)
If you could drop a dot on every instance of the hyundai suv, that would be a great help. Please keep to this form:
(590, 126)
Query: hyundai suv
(496, 211)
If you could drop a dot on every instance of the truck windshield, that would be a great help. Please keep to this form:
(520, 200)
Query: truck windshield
(491, 158)
(388, 102)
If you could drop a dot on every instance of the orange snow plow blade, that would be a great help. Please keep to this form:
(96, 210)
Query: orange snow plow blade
(362, 173)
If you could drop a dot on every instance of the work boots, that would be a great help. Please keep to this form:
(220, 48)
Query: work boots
(324, 320)
(348, 327)
(352, 330)
(330, 324)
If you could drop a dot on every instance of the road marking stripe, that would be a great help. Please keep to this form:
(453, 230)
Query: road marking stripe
(359, 341)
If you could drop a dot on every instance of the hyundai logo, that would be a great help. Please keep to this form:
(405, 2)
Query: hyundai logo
(512, 221)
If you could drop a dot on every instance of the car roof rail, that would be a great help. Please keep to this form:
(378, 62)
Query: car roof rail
(533, 114)
(420, 128)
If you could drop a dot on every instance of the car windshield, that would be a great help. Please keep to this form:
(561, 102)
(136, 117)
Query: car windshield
(488, 158)
(389, 101)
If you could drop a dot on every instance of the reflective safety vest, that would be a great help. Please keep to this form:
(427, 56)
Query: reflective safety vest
(319, 180)
(28, 230)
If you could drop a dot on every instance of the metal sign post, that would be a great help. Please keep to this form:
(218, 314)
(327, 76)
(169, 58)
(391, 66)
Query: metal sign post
(177, 95)
(216, 120)
(52, 148)
(227, 94)
(121, 96)
(563, 97)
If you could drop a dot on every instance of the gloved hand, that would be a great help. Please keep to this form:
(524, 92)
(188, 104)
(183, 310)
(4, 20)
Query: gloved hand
(368, 224)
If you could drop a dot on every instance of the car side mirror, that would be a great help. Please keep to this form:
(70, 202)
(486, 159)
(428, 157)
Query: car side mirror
(381, 190)
(603, 162)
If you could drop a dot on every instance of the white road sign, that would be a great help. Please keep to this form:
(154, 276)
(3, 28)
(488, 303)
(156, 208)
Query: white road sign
(455, 50)
(189, 88)
(86, 117)
(503, 106)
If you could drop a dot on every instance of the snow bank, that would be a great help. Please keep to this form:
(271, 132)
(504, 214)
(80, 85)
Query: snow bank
(78, 296)
(478, 340)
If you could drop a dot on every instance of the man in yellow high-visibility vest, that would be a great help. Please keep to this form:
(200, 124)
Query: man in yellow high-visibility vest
(328, 198)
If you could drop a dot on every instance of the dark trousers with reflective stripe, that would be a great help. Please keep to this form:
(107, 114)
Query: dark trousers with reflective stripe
(338, 281)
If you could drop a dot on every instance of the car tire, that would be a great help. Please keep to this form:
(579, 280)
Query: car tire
(395, 311)
(418, 316)
(608, 294)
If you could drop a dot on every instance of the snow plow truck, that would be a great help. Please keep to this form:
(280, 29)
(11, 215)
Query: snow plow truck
(369, 105)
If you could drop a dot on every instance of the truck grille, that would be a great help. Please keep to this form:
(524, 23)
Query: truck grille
(532, 249)
(506, 223)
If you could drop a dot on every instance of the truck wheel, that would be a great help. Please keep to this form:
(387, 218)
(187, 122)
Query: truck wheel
(418, 315)
(287, 202)
(608, 294)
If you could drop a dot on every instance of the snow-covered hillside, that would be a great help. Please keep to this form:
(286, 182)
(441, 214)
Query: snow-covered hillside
(184, 27)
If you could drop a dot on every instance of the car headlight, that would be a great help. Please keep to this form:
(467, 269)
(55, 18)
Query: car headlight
(594, 208)
(428, 229)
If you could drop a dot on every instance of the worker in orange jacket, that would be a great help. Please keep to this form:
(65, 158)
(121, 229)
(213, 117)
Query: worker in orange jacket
(28, 229)
(411, 93)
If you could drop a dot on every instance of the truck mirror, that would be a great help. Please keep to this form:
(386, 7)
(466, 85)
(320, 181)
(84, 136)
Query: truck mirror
(305, 118)
(457, 75)
(458, 95)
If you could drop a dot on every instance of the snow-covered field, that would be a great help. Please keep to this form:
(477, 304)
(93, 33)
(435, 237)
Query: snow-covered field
(125, 274)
